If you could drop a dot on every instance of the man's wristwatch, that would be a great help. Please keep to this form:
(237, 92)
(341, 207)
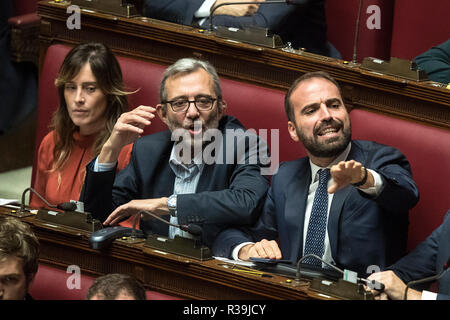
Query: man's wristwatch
(172, 205)
(364, 179)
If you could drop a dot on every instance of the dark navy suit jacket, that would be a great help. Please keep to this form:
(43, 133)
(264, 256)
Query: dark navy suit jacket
(428, 259)
(303, 25)
(363, 231)
(226, 193)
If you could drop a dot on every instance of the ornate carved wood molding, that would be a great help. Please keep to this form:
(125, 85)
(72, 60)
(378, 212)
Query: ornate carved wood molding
(163, 272)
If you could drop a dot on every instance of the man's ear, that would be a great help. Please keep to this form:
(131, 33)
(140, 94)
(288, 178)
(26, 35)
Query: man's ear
(222, 109)
(292, 131)
(161, 110)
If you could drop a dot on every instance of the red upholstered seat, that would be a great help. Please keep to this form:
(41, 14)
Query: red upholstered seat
(262, 108)
(24, 20)
(341, 21)
(24, 14)
(51, 284)
(428, 151)
(418, 26)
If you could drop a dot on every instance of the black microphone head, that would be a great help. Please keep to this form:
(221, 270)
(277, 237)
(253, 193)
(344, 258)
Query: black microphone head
(67, 206)
(193, 229)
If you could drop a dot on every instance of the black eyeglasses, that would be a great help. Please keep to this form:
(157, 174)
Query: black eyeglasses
(202, 103)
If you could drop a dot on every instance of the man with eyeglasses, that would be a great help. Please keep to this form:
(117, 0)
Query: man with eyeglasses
(172, 179)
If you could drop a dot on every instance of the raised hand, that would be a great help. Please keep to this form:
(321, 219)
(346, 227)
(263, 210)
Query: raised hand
(127, 129)
(348, 172)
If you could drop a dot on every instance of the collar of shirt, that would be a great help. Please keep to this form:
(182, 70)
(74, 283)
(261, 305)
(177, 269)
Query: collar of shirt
(341, 157)
(205, 9)
(178, 167)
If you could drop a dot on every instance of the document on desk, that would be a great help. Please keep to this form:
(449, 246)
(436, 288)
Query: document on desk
(4, 202)
(236, 262)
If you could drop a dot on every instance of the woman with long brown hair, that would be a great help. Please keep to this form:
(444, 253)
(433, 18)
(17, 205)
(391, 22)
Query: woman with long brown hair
(91, 99)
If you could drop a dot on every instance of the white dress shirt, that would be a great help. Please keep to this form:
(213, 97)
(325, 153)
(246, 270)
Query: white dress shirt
(203, 12)
(186, 181)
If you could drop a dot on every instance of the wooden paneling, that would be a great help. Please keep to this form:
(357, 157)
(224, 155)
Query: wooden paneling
(163, 272)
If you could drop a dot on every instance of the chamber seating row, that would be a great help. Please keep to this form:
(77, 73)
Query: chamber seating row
(260, 108)
(57, 284)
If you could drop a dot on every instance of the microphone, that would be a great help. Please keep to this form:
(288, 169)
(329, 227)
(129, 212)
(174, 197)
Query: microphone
(71, 215)
(355, 43)
(372, 283)
(249, 2)
(65, 206)
(428, 279)
(193, 229)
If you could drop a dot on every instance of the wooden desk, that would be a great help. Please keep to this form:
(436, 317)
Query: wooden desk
(164, 43)
(162, 272)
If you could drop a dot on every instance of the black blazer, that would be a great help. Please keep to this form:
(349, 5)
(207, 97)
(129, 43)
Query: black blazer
(226, 193)
(363, 231)
(428, 259)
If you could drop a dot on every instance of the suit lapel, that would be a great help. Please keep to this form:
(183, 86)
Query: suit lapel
(295, 206)
(337, 204)
(166, 179)
(334, 217)
(164, 173)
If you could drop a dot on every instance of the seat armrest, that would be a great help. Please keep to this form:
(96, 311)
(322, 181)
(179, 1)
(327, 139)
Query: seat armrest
(25, 20)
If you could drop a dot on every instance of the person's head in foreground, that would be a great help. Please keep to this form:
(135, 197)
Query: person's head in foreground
(116, 286)
(19, 255)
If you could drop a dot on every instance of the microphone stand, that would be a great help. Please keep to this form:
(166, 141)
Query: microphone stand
(432, 278)
(342, 288)
(376, 285)
(22, 203)
(134, 236)
(188, 247)
(66, 215)
(190, 228)
(297, 276)
(355, 44)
